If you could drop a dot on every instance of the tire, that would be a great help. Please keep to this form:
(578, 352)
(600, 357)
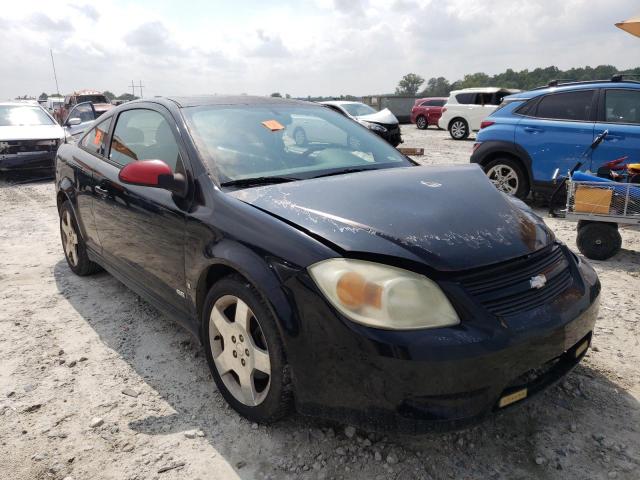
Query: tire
(422, 123)
(300, 137)
(508, 175)
(459, 129)
(75, 250)
(598, 240)
(245, 385)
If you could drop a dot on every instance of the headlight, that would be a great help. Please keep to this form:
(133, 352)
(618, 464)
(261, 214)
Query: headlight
(373, 126)
(382, 296)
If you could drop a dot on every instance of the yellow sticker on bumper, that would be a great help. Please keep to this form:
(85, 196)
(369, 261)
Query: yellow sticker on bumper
(512, 398)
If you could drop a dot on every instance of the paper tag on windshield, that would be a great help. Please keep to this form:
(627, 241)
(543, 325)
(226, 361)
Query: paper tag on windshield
(273, 125)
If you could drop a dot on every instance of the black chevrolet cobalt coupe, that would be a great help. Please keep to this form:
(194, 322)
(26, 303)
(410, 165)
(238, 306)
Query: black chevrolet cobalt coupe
(336, 277)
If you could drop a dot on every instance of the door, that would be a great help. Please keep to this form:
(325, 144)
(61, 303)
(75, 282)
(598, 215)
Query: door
(558, 132)
(79, 118)
(619, 114)
(92, 148)
(142, 229)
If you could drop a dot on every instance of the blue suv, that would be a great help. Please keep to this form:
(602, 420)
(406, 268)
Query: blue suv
(532, 133)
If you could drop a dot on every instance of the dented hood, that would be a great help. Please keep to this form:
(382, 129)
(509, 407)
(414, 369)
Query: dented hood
(451, 218)
(383, 116)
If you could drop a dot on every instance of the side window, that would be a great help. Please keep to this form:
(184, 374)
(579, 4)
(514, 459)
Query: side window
(466, 98)
(622, 106)
(95, 140)
(144, 135)
(439, 103)
(426, 104)
(566, 106)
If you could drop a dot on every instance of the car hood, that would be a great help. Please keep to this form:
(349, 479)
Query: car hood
(451, 218)
(31, 132)
(383, 116)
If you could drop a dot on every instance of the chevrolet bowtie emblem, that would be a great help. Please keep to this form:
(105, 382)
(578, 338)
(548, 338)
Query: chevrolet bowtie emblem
(538, 281)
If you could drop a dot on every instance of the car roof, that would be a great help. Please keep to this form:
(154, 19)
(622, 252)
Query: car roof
(340, 102)
(17, 103)
(226, 100)
(569, 87)
(483, 90)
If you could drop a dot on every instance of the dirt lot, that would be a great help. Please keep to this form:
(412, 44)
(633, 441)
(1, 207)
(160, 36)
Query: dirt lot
(95, 384)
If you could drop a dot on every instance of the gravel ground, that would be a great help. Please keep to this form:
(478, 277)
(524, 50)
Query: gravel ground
(95, 384)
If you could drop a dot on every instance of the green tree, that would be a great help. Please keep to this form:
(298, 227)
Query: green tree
(276, 94)
(110, 95)
(437, 87)
(127, 97)
(409, 85)
(43, 97)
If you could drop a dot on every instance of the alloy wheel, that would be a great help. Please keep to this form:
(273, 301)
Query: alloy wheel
(458, 129)
(239, 350)
(69, 238)
(422, 123)
(505, 178)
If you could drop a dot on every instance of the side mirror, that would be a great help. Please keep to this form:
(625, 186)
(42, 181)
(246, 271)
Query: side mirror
(153, 173)
(72, 122)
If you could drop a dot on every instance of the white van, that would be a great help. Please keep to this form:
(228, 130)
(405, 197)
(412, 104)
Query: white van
(466, 109)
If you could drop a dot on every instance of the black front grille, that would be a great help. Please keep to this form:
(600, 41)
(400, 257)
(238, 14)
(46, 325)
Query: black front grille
(13, 147)
(506, 289)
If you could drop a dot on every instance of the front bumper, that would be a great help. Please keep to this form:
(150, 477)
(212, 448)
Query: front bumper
(27, 161)
(441, 378)
(392, 135)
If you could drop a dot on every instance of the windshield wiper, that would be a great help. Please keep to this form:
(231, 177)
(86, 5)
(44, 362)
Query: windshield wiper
(346, 170)
(247, 182)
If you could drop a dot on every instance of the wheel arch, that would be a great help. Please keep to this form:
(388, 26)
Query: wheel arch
(458, 117)
(234, 259)
(489, 151)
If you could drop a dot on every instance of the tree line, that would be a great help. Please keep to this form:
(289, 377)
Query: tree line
(526, 79)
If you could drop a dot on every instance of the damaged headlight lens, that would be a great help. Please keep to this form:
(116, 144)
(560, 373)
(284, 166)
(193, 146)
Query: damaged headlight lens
(373, 126)
(382, 296)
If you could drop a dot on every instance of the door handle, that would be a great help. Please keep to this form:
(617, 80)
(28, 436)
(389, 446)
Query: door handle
(103, 192)
(532, 129)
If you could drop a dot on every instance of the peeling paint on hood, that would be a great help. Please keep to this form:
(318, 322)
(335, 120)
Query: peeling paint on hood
(451, 218)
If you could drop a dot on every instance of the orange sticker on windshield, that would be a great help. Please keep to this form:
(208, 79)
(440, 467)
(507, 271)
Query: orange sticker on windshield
(98, 138)
(273, 125)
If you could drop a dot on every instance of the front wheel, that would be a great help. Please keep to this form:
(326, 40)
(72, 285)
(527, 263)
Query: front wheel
(422, 123)
(244, 351)
(458, 129)
(508, 176)
(598, 240)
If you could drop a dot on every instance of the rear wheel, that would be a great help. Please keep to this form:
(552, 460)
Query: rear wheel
(244, 351)
(458, 129)
(422, 123)
(508, 176)
(75, 250)
(598, 240)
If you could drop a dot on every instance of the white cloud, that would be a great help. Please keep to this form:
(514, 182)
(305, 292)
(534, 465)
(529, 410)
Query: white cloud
(307, 47)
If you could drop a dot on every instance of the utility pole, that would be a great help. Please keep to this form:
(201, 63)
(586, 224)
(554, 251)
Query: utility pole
(140, 87)
(133, 88)
(54, 72)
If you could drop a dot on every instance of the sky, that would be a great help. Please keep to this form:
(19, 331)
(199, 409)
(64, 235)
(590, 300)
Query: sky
(303, 47)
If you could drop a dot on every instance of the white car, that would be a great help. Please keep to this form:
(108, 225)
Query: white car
(466, 109)
(29, 137)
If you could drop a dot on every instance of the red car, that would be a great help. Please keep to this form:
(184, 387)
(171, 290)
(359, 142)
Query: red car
(427, 111)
